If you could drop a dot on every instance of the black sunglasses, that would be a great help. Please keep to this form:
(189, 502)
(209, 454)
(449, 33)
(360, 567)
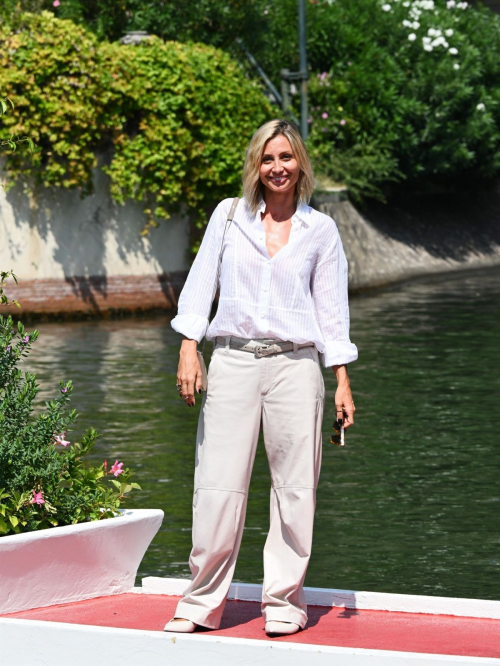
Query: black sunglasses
(338, 437)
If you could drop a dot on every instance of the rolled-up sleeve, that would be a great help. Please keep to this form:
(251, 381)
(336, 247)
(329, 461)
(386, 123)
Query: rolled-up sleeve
(331, 305)
(197, 295)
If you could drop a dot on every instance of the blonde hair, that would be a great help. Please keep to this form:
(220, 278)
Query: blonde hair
(253, 189)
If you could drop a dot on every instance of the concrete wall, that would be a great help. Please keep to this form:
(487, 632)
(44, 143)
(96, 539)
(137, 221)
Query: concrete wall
(74, 254)
(416, 235)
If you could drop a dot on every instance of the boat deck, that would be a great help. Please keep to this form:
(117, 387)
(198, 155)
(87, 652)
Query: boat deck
(327, 626)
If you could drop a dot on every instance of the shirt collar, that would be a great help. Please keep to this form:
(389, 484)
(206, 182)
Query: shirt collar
(302, 213)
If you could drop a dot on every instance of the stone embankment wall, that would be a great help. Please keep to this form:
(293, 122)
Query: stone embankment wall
(417, 236)
(87, 256)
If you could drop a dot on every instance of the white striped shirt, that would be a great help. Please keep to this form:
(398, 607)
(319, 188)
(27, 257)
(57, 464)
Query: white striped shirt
(300, 294)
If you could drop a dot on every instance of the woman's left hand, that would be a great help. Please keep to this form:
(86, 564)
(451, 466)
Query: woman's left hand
(344, 403)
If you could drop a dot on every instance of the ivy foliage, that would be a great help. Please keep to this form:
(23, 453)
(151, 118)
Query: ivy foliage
(175, 118)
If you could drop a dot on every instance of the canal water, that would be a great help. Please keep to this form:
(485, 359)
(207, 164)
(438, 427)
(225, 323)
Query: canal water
(411, 505)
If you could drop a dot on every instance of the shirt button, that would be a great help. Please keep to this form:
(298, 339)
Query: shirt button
(262, 314)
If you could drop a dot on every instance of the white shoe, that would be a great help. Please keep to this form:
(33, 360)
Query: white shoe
(276, 628)
(180, 626)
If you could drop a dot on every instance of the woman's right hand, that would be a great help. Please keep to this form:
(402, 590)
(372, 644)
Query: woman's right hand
(189, 371)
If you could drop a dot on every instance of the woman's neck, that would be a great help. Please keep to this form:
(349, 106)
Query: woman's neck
(281, 205)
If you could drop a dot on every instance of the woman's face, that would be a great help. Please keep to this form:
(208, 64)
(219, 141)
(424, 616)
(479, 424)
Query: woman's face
(279, 169)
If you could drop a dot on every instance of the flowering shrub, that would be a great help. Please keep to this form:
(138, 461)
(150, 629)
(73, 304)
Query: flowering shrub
(43, 479)
(175, 117)
(407, 87)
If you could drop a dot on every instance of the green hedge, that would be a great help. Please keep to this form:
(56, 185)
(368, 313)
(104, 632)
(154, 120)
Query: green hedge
(177, 116)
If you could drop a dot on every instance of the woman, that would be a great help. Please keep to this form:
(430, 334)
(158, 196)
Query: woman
(283, 300)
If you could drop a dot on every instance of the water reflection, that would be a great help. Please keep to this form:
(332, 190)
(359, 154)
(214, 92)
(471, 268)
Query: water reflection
(409, 506)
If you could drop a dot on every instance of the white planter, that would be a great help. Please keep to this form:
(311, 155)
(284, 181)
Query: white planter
(74, 562)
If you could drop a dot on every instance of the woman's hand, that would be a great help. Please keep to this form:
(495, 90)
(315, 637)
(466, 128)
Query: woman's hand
(343, 397)
(188, 372)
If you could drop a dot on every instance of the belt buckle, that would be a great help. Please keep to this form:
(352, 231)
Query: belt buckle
(265, 350)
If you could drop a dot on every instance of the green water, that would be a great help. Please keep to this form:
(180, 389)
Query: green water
(411, 505)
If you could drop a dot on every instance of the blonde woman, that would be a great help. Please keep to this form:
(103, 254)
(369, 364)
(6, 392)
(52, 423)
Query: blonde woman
(283, 302)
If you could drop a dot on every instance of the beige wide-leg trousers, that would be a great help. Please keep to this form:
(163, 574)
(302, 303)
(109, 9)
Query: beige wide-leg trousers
(285, 391)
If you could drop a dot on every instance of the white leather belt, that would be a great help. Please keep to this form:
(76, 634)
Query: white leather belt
(260, 346)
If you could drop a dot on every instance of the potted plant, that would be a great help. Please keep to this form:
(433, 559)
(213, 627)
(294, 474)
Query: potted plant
(63, 536)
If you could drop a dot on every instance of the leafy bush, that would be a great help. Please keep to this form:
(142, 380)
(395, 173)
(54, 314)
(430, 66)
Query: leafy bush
(177, 116)
(43, 479)
(416, 82)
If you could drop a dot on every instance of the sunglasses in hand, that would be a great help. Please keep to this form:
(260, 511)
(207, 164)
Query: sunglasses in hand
(338, 437)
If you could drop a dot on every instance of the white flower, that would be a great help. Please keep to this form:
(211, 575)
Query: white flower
(427, 47)
(462, 5)
(450, 4)
(426, 40)
(412, 37)
(481, 107)
(416, 25)
(456, 66)
(407, 24)
(448, 32)
(386, 8)
(453, 51)
(440, 41)
(431, 32)
(406, 4)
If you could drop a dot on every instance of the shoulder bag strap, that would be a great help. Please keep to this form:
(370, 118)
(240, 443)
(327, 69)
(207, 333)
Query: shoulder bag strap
(219, 260)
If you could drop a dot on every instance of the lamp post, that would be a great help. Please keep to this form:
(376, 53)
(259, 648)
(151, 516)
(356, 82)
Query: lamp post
(304, 128)
(287, 78)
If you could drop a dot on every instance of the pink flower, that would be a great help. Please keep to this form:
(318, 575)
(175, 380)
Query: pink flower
(56, 3)
(324, 115)
(322, 76)
(309, 120)
(60, 439)
(342, 122)
(117, 468)
(37, 498)
(105, 466)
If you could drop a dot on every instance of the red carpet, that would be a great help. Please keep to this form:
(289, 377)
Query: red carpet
(378, 630)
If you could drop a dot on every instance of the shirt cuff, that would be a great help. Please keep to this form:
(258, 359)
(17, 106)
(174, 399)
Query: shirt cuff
(339, 353)
(190, 325)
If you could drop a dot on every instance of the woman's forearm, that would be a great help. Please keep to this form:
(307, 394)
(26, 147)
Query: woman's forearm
(341, 374)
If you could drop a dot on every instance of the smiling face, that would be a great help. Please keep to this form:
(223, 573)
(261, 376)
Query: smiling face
(279, 168)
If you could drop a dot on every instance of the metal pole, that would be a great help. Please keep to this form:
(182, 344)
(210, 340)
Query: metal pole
(262, 73)
(285, 106)
(304, 128)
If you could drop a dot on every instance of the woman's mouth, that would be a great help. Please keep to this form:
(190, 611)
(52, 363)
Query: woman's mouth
(278, 180)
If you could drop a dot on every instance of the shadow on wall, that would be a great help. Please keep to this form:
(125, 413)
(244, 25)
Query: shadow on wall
(91, 248)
